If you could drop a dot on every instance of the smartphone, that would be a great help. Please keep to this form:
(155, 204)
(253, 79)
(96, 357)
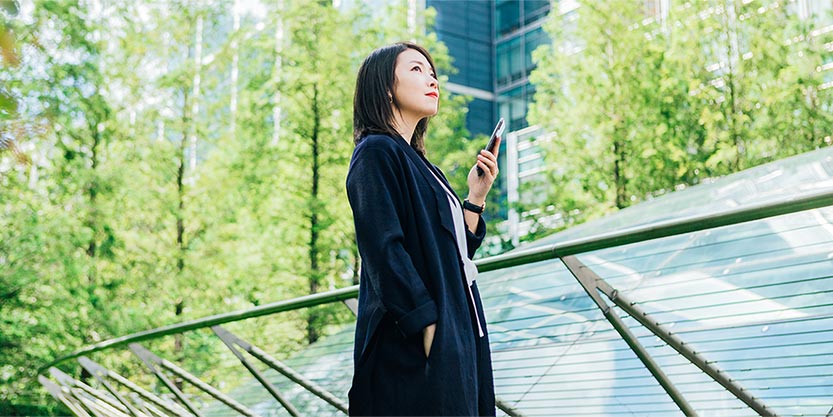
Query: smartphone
(498, 132)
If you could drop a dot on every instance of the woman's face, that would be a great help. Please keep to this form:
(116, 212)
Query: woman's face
(416, 89)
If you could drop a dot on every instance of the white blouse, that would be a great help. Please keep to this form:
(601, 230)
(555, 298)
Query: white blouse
(469, 267)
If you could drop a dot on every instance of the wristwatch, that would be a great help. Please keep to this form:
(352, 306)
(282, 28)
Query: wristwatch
(474, 208)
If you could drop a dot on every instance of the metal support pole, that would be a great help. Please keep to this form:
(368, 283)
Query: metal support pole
(95, 372)
(353, 305)
(89, 398)
(506, 408)
(290, 373)
(102, 397)
(167, 405)
(683, 349)
(141, 352)
(71, 383)
(208, 389)
(670, 338)
(230, 341)
(90, 406)
(152, 410)
(56, 391)
(588, 282)
(96, 406)
(68, 385)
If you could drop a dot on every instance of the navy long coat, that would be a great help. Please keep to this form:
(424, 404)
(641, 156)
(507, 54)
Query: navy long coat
(412, 276)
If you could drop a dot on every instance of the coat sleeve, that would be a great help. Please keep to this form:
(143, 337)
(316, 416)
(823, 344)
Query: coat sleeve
(376, 197)
(474, 240)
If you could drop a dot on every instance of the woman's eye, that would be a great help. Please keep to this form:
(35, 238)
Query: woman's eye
(418, 68)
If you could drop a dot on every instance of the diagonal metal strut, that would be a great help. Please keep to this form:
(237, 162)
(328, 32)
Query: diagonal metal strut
(95, 372)
(168, 406)
(592, 283)
(587, 279)
(57, 391)
(231, 341)
(72, 383)
(150, 358)
(139, 351)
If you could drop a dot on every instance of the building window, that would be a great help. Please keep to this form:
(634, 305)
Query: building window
(534, 10)
(532, 40)
(509, 61)
(508, 16)
(512, 106)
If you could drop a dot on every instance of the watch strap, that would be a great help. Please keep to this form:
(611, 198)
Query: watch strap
(474, 208)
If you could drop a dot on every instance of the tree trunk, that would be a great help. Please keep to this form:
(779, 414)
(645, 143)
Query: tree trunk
(619, 134)
(276, 104)
(189, 109)
(731, 85)
(315, 274)
(196, 85)
(619, 172)
(180, 189)
(91, 223)
(92, 193)
(179, 304)
(235, 59)
(178, 344)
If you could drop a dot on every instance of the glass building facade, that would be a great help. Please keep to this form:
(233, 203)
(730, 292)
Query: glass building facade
(491, 43)
(518, 32)
(466, 29)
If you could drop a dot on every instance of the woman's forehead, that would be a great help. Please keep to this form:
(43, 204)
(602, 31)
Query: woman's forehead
(409, 56)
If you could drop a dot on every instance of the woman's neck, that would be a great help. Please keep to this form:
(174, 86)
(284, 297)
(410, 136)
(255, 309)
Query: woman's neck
(405, 127)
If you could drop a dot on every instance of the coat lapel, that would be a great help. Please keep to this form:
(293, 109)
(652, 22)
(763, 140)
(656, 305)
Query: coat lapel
(439, 193)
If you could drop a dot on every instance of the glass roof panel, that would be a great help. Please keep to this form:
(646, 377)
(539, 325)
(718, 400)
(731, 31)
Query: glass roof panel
(776, 181)
(754, 299)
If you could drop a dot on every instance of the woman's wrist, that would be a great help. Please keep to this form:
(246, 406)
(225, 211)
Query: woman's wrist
(478, 201)
(474, 208)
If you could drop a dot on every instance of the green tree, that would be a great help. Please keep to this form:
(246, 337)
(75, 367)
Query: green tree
(593, 90)
(59, 236)
(196, 166)
(641, 104)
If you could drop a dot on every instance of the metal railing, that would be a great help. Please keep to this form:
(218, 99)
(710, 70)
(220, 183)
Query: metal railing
(84, 400)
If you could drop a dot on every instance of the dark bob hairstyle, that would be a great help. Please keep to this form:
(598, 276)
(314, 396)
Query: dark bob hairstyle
(374, 100)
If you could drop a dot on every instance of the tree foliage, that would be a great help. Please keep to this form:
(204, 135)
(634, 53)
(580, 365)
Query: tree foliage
(186, 159)
(643, 104)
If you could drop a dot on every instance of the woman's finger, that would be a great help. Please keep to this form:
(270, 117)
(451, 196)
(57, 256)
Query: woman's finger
(486, 169)
(488, 154)
(488, 161)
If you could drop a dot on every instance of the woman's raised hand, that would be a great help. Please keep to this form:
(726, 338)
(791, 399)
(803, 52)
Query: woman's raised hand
(479, 186)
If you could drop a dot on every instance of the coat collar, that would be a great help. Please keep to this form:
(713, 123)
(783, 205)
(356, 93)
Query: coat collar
(439, 193)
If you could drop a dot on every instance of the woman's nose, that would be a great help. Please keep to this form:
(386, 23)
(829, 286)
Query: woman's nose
(432, 81)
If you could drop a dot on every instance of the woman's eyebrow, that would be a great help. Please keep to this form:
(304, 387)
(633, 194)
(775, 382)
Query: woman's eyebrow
(414, 61)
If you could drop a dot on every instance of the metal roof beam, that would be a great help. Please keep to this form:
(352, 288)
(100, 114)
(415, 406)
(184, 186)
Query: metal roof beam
(684, 349)
(168, 406)
(587, 278)
(147, 356)
(230, 340)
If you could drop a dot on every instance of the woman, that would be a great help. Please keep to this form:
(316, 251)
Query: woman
(421, 346)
